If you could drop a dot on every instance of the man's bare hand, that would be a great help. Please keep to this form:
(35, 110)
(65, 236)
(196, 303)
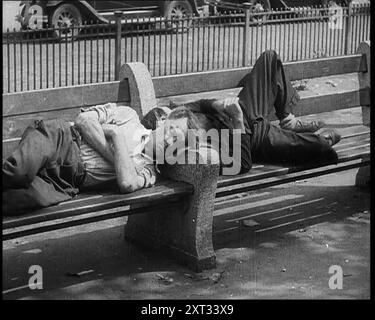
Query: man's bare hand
(110, 130)
(233, 109)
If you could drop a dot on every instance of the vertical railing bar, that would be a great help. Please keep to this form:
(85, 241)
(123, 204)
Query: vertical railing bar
(149, 47)
(198, 43)
(358, 20)
(85, 53)
(257, 53)
(8, 57)
(183, 40)
(40, 60)
(225, 38)
(97, 52)
(233, 45)
(47, 62)
(238, 41)
(154, 42)
(252, 51)
(218, 45)
(281, 25)
(213, 24)
(288, 39)
(91, 52)
(208, 44)
(189, 24)
(103, 54)
(14, 61)
(21, 61)
(132, 40)
(53, 63)
(311, 41)
(176, 53)
(72, 46)
(160, 44)
(60, 58)
(137, 38)
(171, 48)
(165, 49)
(302, 36)
(320, 33)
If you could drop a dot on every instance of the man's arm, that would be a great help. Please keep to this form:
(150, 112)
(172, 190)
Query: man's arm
(127, 176)
(92, 132)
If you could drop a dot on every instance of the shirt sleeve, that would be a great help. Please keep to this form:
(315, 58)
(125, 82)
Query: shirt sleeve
(106, 112)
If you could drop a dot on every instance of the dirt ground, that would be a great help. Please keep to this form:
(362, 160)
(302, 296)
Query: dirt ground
(269, 255)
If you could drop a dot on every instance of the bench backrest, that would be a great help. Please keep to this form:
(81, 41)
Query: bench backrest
(19, 109)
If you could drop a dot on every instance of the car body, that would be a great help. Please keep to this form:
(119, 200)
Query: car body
(37, 13)
(264, 5)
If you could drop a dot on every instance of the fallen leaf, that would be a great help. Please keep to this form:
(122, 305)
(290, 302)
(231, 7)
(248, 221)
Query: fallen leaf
(165, 279)
(330, 82)
(215, 277)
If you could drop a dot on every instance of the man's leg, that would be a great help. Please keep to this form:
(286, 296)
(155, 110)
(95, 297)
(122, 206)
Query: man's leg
(291, 148)
(46, 145)
(22, 166)
(268, 87)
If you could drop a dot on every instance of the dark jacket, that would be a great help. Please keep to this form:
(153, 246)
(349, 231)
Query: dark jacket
(210, 117)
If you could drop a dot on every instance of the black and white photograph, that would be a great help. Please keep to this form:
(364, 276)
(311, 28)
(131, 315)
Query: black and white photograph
(186, 155)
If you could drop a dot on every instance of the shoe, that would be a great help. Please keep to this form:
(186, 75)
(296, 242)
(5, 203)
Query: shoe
(330, 135)
(296, 125)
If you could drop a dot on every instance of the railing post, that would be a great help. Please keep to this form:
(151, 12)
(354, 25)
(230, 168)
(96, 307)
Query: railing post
(246, 36)
(348, 28)
(118, 16)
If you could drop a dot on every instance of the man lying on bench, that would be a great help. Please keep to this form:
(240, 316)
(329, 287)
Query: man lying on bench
(56, 158)
(265, 88)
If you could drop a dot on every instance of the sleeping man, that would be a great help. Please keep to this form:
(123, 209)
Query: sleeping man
(265, 89)
(55, 158)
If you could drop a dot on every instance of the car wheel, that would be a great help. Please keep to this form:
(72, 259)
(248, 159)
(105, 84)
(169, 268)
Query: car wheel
(260, 6)
(66, 19)
(178, 10)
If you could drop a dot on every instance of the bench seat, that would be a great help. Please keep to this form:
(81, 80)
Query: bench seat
(95, 206)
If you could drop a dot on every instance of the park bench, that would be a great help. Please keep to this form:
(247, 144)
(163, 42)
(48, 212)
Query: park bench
(177, 213)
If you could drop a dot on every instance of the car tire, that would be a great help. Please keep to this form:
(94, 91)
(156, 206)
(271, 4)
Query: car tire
(68, 20)
(177, 10)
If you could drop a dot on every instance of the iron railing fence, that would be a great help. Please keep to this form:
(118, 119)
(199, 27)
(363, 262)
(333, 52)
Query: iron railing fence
(94, 53)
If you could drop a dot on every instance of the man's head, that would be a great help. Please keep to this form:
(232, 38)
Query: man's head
(179, 121)
(155, 116)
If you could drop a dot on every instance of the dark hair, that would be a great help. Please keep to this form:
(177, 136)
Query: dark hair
(184, 112)
(151, 118)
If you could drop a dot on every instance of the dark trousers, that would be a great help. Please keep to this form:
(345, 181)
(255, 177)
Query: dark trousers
(267, 89)
(45, 169)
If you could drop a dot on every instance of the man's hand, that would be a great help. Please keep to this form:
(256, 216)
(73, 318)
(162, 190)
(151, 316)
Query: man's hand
(110, 130)
(231, 112)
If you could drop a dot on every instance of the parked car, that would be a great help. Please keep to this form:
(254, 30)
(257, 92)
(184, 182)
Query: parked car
(260, 6)
(36, 14)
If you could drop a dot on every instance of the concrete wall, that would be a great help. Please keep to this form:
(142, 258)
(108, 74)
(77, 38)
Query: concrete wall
(10, 10)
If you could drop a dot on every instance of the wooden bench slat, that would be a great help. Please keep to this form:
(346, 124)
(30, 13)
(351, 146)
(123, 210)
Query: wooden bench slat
(16, 232)
(291, 177)
(226, 79)
(161, 192)
(21, 103)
